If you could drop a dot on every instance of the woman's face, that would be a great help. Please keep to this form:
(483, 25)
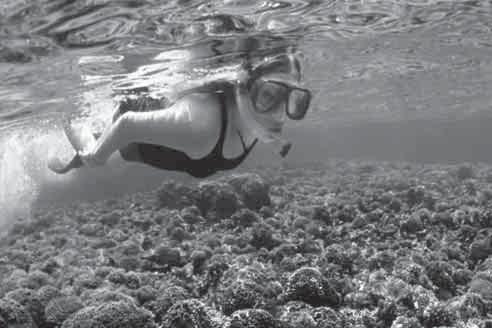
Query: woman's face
(268, 98)
(269, 92)
(270, 101)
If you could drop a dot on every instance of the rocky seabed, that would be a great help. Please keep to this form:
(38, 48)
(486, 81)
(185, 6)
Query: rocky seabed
(330, 245)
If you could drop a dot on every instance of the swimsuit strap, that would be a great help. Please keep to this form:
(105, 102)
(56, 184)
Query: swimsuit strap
(230, 163)
(219, 146)
(218, 150)
(246, 149)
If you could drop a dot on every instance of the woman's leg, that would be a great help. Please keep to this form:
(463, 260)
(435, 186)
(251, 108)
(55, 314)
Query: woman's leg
(191, 125)
(56, 165)
(92, 152)
(130, 127)
(118, 135)
(80, 138)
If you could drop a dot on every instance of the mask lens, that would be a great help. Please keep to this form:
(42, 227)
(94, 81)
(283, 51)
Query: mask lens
(298, 105)
(267, 95)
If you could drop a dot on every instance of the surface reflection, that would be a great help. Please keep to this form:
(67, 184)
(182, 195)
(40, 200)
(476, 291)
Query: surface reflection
(446, 45)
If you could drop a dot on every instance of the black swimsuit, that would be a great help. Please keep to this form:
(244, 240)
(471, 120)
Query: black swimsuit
(170, 159)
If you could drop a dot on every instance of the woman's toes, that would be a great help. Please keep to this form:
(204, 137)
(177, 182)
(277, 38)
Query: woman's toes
(55, 164)
(89, 160)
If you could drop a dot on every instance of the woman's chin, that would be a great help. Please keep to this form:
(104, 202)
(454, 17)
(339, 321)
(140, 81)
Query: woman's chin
(270, 136)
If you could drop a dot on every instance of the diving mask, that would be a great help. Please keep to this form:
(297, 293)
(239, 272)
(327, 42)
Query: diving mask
(267, 94)
(269, 90)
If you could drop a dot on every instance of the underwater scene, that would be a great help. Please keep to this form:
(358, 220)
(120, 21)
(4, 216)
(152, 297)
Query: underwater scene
(245, 163)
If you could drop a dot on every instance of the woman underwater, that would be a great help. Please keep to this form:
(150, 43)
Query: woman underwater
(209, 128)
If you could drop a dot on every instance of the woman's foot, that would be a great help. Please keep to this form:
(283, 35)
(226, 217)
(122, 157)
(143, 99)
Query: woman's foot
(83, 141)
(56, 165)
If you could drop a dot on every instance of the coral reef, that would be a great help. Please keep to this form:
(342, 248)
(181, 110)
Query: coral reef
(31, 302)
(60, 308)
(165, 299)
(111, 315)
(252, 318)
(253, 190)
(12, 314)
(188, 313)
(308, 285)
(331, 245)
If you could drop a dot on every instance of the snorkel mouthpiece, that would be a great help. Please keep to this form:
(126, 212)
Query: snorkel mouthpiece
(285, 148)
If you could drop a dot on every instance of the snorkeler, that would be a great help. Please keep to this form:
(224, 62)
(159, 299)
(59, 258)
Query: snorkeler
(208, 129)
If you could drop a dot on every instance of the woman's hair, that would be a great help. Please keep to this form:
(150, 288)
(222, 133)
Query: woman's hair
(264, 51)
(286, 63)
